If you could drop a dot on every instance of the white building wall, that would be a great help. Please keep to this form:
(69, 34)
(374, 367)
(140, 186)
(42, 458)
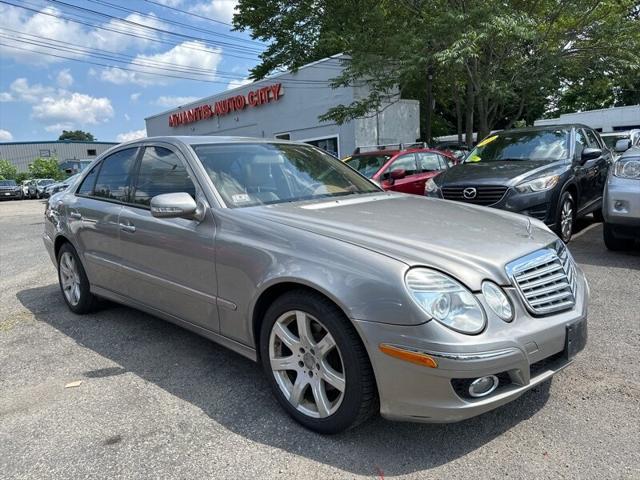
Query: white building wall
(605, 120)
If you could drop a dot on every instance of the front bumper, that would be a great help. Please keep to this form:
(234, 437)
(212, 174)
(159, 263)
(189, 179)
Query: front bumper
(9, 194)
(538, 205)
(523, 354)
(622, 201)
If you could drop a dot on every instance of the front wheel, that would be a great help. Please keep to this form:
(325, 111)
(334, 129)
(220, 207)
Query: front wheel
(316, 364)
(565, 217)
(73, 280)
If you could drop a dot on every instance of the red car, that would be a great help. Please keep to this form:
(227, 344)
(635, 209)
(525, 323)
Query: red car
(401, 169)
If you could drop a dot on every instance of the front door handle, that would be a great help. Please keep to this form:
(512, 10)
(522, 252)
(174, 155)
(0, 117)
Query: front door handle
(76, 215)
(129, 228)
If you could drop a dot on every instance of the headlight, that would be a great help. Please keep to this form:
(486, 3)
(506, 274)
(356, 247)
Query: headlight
(627, 168)
(539, 184)
(430, 187)
(445, 300)
(497, 301)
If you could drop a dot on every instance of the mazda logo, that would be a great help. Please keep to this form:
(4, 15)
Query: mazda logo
(469, 193)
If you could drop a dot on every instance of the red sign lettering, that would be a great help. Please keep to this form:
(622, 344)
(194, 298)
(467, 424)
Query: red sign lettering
(260, 96)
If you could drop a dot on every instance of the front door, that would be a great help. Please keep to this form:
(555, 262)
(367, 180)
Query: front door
(93, 217)
(409, 183)
(169, 264)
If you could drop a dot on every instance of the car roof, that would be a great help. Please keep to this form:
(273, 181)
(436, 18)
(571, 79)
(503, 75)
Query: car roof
(391, 153)
(208, 139)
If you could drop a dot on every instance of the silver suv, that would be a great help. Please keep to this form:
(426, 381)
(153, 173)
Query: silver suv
(354, 300)
(621, 206)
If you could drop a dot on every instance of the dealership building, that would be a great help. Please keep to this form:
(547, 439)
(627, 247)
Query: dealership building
(288, 106)
(71, 155)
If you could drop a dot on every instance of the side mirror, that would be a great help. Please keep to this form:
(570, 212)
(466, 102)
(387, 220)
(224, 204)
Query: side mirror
(622, 145)
(590, 154)
(176, 205)
(398, 174)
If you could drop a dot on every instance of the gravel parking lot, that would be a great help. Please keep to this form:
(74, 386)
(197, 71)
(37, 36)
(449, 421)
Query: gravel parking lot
(157, 401)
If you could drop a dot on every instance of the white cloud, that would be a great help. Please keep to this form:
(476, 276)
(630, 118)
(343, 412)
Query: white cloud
(20, 90)
(46, 24)
(169, 101)
(170, 3)
(64, 78)
(132, 135)
(5, 135)
(222, 10)
(192, 54)
(73, 108)
(59, 127)
(134, 97)
(238, 83)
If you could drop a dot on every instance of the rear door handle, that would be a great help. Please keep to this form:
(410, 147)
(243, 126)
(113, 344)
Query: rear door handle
(127, 228)
(76, 215)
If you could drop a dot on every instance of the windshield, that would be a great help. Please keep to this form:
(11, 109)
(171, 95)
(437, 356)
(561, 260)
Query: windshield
(8, 183)
(368, 165)
(258, 174)
(537, 145)
(610, 140)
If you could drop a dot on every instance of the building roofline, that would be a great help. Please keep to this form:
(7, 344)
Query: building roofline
(58, 141)
(255, 82)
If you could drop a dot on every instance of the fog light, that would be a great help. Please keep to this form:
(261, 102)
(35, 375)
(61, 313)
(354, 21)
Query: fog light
(483, 386)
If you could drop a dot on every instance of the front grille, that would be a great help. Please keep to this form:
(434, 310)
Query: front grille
(484, 195)
(546, 279)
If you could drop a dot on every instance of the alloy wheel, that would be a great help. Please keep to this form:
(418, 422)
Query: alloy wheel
(70, 278)
(307, 364)
(566, 219)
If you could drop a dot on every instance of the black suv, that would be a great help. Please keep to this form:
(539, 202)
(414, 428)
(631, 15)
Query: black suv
(552, 173)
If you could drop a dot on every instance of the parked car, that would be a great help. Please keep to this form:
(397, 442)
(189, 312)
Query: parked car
(611, 138)
(36, 189)
(621, 209)
(553, 173)
(399, 168)
(456, 149)
(25, 188)
(354, 300)
(59, 186)
(9, 189)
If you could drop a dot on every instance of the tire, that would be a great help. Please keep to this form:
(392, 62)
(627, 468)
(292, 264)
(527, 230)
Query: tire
(565, 217)
(332, 350)
(614, 243)
(73, 281)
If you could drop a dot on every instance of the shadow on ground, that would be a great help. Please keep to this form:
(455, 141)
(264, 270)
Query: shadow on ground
(233, 392)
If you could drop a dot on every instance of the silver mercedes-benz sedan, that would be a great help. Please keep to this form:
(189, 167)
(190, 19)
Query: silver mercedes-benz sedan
(353, 299)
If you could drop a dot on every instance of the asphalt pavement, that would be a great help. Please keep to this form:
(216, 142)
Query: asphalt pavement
(156, 401)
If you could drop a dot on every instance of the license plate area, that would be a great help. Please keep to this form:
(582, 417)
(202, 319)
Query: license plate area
(576, 339)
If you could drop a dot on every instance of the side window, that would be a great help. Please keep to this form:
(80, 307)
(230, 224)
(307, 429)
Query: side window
(406, 163)
(593, 140)
(115, 173)
(86, 188)
(430, 162)
(581, 142)
(161, 171)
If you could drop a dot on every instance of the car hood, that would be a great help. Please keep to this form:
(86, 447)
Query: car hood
(491, 173)
(469, 242)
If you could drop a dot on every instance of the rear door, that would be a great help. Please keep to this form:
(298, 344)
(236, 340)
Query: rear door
(410, 183)
(93, 217)
(169, 263)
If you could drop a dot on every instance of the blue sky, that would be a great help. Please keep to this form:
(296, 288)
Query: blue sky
(116, 72)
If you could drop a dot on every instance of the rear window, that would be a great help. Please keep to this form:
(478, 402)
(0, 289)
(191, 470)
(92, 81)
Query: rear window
(368, 165)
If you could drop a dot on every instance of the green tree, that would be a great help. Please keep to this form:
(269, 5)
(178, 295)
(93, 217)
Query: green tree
(77, 135)
(46, 168)
(8, 171)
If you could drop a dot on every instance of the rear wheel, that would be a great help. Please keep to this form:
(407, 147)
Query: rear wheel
(316, 364)
(615, 243)
(565, 217)
(73, 280)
